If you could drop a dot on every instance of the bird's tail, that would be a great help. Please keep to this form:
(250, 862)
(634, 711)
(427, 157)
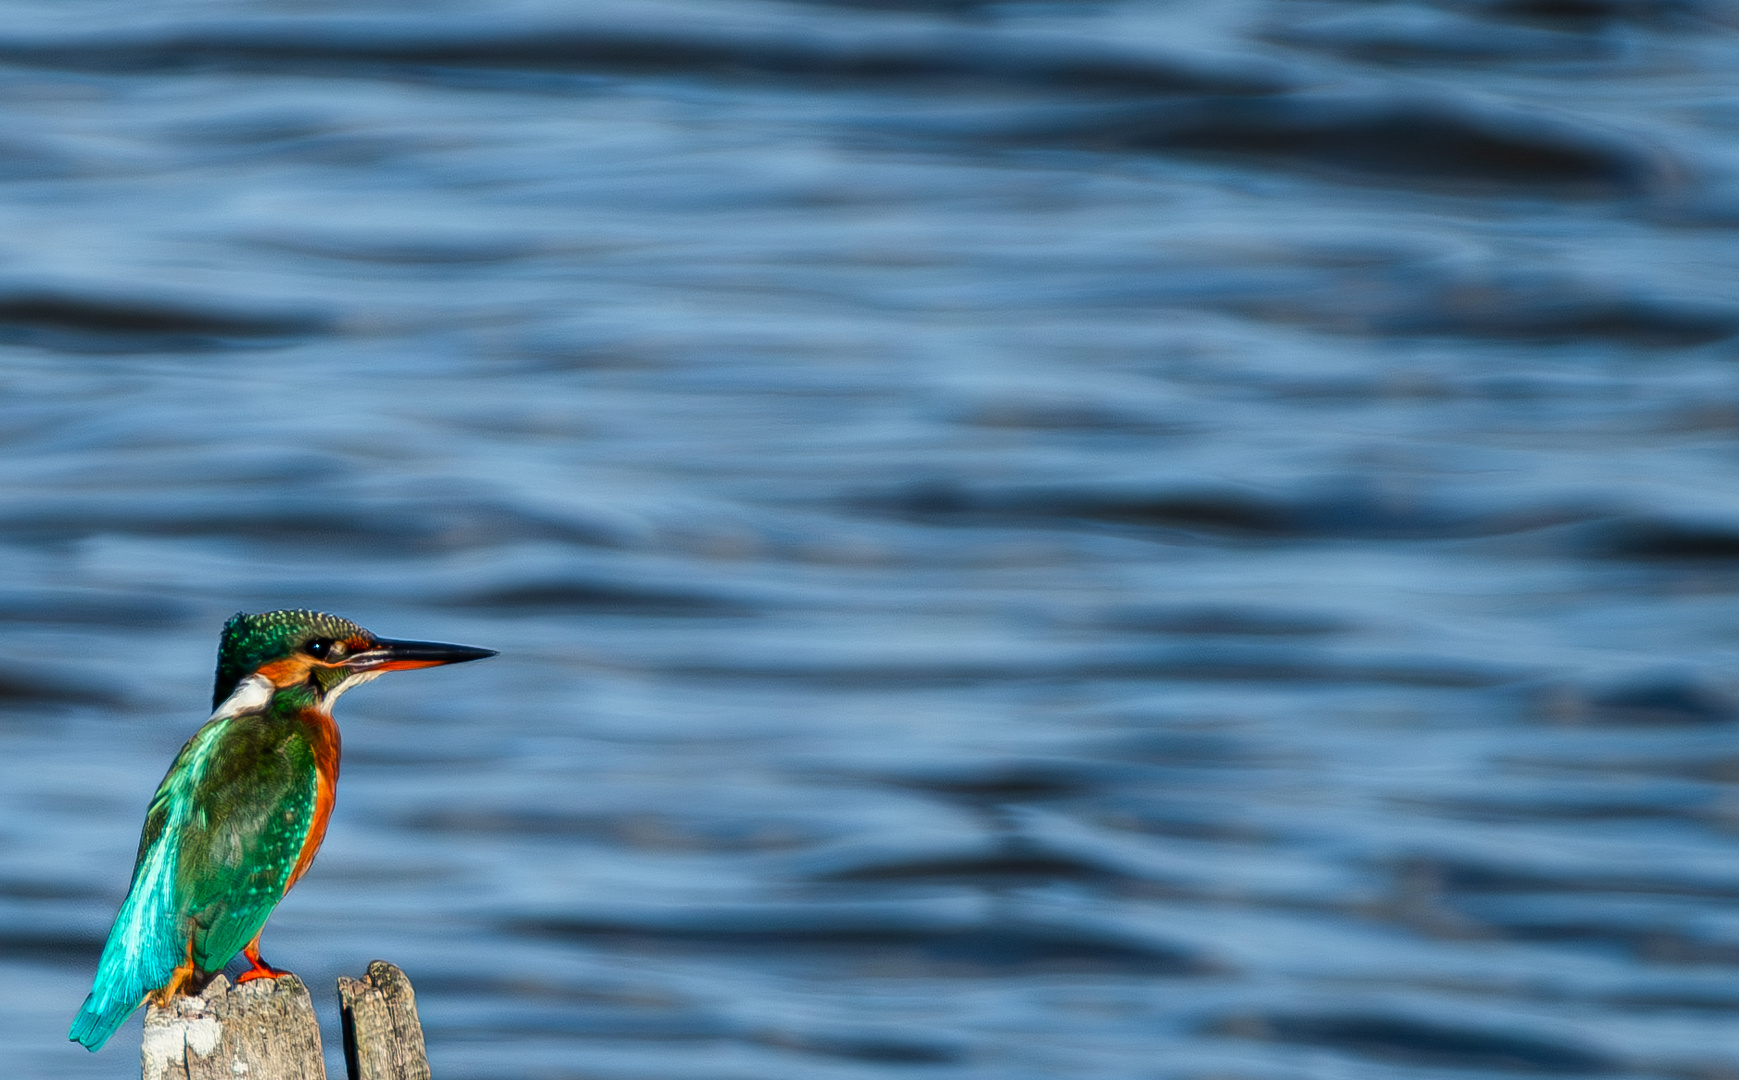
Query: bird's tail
(104, 1013)
(140, 956)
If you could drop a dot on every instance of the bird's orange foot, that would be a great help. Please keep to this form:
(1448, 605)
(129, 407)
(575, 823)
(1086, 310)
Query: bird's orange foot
(259, 969)
(179, 983)
(259, 973)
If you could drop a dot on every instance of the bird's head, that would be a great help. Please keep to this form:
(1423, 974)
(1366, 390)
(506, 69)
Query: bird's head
(311, 655)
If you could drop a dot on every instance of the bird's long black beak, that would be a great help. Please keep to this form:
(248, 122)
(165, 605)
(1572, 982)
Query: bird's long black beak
(388, 655)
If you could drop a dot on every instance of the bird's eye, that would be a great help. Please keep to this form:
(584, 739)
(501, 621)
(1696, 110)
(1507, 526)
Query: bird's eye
(317, 649)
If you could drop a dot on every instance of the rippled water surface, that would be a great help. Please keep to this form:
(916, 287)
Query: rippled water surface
(1175, 540)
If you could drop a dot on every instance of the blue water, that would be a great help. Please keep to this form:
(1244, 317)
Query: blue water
(1104, 540)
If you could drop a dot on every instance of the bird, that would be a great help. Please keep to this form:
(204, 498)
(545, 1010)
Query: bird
(242, 811)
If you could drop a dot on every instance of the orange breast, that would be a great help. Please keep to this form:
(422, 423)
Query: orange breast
(323, 737)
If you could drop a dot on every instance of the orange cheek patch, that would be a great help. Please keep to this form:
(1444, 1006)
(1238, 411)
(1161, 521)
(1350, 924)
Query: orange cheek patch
(288, 671)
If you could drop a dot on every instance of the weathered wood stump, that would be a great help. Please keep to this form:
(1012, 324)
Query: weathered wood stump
(265, 1029)
(260, 1030)
(383, 1039)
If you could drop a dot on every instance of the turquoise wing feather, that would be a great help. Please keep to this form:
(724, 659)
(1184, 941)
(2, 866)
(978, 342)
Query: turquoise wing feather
(142, 949)
(221, 837)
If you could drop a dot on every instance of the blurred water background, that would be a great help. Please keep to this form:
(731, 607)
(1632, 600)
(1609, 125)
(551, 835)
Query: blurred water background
(1093, 540)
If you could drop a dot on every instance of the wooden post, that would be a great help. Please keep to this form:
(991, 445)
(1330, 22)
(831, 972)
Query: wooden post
(265, 1029)
(261, 1030)
(383, 1039)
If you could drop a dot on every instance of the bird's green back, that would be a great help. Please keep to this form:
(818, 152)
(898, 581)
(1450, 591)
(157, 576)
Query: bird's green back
(250, 806)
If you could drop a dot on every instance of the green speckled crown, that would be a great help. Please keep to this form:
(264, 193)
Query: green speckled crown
(252, 640)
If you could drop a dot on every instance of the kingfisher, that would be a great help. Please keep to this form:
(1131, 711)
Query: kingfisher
(243, 809)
